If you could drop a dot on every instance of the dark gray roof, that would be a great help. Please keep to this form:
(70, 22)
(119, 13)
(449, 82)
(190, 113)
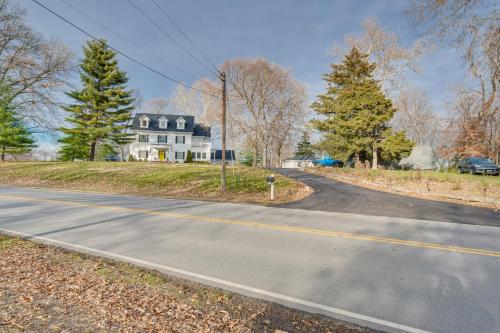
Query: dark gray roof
(217, 155)
(201, 130)
(172, 122)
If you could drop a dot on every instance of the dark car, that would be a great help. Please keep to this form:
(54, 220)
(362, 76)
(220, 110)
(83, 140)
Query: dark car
(478, 165)
(112, 158)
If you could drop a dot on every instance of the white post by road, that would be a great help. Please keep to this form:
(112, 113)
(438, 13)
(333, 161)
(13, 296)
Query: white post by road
(270, 181)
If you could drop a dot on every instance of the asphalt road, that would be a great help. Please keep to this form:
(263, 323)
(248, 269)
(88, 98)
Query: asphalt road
(387, 273)
(332, 196)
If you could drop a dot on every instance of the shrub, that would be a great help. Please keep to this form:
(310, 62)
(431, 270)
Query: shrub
(189, 157)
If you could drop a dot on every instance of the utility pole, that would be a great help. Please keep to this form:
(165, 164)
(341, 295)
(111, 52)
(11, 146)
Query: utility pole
(223, 134)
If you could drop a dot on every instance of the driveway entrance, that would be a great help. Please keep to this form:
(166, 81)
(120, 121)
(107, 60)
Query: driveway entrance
(332, 196)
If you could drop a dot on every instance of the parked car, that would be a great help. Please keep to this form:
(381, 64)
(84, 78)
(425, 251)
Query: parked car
(328, 161)
(112, 158)
(478, 165)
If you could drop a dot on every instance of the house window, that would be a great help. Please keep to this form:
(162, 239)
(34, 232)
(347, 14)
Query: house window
(163, 123)
(162, 139)
(181, 124)
(143, 138)
(179, 155)
(143, 154)
(198, 155)
(204, 156)
(144, 122)
(180, 139)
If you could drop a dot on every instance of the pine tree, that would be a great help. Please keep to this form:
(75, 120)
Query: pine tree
(74, 147)
(304, 147)
(102, 107)
(395, 147)
(357, 110)
(14, 137)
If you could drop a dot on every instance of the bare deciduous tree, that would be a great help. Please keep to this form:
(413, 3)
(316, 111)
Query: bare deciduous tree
(472, 27)
(205, 108)
(384, 49)
(157, 105)
(267, 105)
(34, 68)
(416, 118)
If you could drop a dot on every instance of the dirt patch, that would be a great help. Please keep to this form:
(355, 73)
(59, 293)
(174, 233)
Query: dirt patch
(48, 289)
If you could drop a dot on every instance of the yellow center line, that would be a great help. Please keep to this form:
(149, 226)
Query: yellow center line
(319, 232)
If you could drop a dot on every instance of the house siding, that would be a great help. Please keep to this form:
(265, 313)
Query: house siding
(197, 144)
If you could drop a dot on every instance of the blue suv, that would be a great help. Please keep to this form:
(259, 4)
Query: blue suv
(328, 161)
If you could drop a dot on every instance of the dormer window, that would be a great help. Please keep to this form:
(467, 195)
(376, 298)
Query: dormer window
(163, 122)
(181, 124)
(144, 122)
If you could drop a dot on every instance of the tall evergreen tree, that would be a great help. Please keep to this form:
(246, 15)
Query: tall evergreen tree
(357, 110)
(14, 137)
(304, 147)
(102, 107)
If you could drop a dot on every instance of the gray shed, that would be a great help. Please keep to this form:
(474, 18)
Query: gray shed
(298, 162)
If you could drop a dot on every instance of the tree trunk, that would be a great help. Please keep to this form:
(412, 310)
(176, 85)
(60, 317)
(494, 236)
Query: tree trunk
(92, 151)
(278, 157)
(357, 160)
(375, 158)
(264, 158)
(3, 153)
(254, 156)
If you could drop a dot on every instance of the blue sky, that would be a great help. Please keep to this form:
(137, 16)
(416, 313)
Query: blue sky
(292, 33)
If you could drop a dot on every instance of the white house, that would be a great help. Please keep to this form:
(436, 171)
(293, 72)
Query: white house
(165, 137)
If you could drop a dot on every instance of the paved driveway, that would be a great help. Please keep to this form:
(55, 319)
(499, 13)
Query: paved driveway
(333, 196)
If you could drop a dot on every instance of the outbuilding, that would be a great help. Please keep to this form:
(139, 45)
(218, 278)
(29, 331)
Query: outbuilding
(298, 162)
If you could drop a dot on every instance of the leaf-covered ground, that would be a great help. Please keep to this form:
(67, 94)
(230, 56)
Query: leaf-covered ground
(188, 181)
(47, 289)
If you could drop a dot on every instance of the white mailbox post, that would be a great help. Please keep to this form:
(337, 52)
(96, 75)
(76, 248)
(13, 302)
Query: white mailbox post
(270, 180)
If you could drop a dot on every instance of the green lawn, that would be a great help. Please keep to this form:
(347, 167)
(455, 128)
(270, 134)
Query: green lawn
(201, 181)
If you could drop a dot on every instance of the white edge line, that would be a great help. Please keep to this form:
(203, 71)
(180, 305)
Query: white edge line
(288, 299)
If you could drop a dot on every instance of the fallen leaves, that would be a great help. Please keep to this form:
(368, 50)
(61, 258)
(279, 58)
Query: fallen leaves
(44, 288)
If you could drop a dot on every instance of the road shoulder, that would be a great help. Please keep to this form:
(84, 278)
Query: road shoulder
(50, 288)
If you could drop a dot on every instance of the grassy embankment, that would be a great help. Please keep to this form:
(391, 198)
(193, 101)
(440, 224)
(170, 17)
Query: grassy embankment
(190, 181)
(474, 190)
(48, 289)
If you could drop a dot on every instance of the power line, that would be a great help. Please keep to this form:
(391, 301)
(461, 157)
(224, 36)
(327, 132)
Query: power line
(125, 38)
(122, 53)
(184, 34)
(171, 38)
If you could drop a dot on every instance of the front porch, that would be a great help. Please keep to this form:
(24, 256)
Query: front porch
(161, 154)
